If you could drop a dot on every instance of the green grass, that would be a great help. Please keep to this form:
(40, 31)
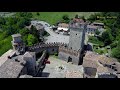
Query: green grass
(53, 17)
(100, 50)
(5, 45)
(95, 40)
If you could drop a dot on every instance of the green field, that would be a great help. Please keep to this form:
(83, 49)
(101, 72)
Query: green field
(5, 44)
(53, 17)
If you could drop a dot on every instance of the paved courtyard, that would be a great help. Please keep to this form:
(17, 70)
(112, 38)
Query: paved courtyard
(61, 69)
(54, 37)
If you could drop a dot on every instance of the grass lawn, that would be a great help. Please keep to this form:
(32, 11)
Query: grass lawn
(5, 45)
(53, 17)
(102, 50)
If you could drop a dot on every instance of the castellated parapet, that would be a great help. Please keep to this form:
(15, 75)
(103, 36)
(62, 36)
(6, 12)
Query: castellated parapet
(69, 51)
(45, 45)
(50, 47)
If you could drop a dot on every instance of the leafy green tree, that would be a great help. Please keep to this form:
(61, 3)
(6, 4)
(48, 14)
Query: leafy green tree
(116, 51)
(113, 45)
(31, 40)
(82, 17)
(37, 13)
(107, 37)
(34, 31)
(24, 14)
(97, 32)
(66, 18)
(92, 18)
(2, 21)
(24, 31)
(76, 16)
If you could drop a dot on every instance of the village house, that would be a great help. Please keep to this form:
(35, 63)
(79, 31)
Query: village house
(63, 27)
(91, 30)
(100, 66)
(100, 25)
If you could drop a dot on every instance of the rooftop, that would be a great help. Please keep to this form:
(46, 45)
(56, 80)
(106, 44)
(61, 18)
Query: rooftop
(4, 57)
(16, 35)
(29, 54)
(94, 60)
(98, 23)
(11, 68)
(63, 25)
(78, 20)
(77, 23)
(92, 26)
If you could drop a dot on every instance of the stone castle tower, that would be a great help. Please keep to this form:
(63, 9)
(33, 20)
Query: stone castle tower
(77, 35)
(73, 52)
(18, 44)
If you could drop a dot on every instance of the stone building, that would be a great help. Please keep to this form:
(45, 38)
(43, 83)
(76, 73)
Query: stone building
(63, 27)
(18, 44)
(73, 52)
(100, 66)
(91, 30)
(30, 59)
(99, 25)
(38, 26)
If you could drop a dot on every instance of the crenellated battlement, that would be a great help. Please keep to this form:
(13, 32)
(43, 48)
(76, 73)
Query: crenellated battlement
(45, 45)
(69, 51)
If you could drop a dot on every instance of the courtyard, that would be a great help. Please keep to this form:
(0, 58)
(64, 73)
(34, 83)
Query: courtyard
(61, 69)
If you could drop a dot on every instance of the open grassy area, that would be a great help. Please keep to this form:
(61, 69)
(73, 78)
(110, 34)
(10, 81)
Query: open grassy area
(100, 50)
(5, 44)
(53, 17)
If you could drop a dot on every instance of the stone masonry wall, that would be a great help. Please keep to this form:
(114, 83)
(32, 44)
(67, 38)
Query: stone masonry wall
(51, 48)
(65, 53)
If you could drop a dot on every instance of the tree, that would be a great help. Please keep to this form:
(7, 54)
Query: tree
(107, 37)
(34, 31)
(82, 17)
(66, 18)
(37, 13)
(24, 14)
(92, 18)
(31, 40)
(2, 21)
(116, 51)
(76, 16)
(97, 32)
(24, 31)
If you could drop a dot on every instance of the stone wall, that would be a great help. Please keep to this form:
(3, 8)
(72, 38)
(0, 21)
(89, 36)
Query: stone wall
(66, 53)
(106, 75)
(51, 48)
(39, 63)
